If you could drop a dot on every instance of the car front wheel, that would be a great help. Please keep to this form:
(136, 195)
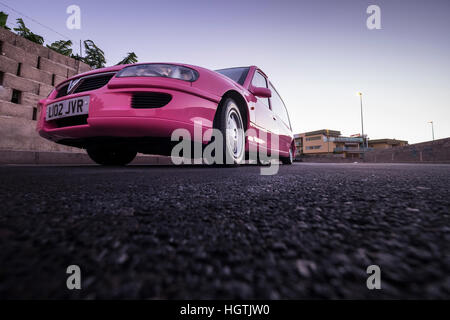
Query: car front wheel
(111, 156)
(231, 125)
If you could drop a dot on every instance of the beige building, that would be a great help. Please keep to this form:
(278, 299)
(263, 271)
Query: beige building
(331, 142)
(386, 143)
(323, 142)
(28, 72)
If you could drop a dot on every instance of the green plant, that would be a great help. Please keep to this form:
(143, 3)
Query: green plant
(62, 46)
(131, 57)
(23, 31)
(76, 57)
(3, 19)
(94, 56)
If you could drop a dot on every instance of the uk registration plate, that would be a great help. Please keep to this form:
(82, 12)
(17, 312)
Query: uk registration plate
(68, 108)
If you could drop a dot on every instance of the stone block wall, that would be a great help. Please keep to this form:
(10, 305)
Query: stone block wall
(28, 72)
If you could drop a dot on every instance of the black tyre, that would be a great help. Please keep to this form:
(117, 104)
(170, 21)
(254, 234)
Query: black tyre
(288, 160)
(111, 156)
(231, 125)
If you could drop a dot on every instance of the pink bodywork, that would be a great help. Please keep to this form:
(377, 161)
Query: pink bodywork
(111, 115)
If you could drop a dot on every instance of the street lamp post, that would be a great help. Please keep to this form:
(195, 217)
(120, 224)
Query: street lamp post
(432, 129)
(362, 121)
(328, 140)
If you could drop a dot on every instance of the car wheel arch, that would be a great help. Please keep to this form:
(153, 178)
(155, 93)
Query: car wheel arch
(241, 104)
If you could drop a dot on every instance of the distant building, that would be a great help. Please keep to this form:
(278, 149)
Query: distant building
(386, 143)
(330, 142)
(323, 142)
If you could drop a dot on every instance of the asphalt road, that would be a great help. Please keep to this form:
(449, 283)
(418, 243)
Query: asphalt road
(204, 232)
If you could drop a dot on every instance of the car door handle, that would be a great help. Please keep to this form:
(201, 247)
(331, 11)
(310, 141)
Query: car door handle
(274, 118)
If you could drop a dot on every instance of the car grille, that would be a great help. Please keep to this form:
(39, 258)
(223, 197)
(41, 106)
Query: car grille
(150, 100)
(93, 83)
(87, 83)
(62, 92)
(70, 121)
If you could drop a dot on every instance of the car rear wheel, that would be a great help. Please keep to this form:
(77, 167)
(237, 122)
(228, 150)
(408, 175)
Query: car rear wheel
(288, 160)
(111, 156)
(231, 125)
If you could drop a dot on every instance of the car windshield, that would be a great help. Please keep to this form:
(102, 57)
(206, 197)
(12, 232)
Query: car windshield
(236, 74)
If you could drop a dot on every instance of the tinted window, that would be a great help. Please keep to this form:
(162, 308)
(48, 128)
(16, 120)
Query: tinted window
(236, 74)
(278, 106)
(260, 81)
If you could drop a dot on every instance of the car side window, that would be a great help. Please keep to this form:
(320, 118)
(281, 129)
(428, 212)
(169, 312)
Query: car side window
(260, 81)
(278, 106)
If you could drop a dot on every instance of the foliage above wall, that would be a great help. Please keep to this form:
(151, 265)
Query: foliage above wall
(94, 56)
(3, 19)
(62, 47)
(23, 31)
(130, 58)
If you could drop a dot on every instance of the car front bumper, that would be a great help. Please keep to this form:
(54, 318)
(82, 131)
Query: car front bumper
(111, 115)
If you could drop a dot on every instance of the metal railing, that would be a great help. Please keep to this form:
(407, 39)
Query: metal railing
(351, 149)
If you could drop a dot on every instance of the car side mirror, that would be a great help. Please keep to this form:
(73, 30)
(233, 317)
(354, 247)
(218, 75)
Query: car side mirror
(261, 92)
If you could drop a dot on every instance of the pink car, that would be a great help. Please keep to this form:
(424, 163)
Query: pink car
(118, 111)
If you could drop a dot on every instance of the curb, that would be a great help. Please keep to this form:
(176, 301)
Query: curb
(52, 157)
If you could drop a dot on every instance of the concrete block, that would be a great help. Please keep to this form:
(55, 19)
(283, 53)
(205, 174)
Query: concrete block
(31, 47)
(19, 83)
(8, 65)
(82, 67)
(30, 99)
(44, 90)
(7, 36)
(19, 55)
(17, 157)
(71, 73)
(20, 134)
(8, 156)
(59, 79)
(14, 132)
(62, 59)
(15, 110)
(43, 157)
(144, 159)
(80, 157)
(5, 94)
(52, 67)
(32, 73)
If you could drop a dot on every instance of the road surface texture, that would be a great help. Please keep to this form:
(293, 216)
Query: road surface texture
(162, 232)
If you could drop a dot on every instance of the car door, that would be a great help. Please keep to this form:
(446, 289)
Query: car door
(264, 118)
(282, 119)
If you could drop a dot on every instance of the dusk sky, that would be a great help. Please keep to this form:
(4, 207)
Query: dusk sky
(319, 54)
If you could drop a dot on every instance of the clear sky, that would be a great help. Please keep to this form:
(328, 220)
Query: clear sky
(318, 53)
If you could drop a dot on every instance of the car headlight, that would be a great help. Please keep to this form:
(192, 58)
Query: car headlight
(159, 70)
